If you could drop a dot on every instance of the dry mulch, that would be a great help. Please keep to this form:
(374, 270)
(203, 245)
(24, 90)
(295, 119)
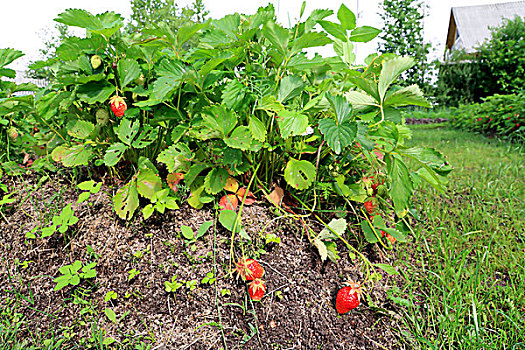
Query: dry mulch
(297, 311)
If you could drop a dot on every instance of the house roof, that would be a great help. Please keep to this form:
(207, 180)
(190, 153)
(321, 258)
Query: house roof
(469, 26)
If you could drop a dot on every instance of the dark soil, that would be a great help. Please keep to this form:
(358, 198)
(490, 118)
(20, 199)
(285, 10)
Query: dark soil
(297, 311)
(418, 121)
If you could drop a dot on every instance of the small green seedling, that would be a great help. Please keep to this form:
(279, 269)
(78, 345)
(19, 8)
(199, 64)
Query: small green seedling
(90, 187)
(192, 237)
(191, 285)
(61, 222)
(110, 295)
(111, 315)
(160, 201)
(171, 287)
(208, 279)
(71, 274)
(132, 274)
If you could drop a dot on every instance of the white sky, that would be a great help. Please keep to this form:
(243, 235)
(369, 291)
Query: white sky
(23, 22)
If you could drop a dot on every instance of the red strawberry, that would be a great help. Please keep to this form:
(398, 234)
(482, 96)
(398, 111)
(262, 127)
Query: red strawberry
(256, 289)
(348, 298)
(249, 269)
(371, 206)
(388, 236)
(118, 106)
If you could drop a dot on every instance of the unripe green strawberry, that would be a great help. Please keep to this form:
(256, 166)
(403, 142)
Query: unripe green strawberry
(140, 80)
(381, 190)
(96, 61)
(12, 133)
(102, 116)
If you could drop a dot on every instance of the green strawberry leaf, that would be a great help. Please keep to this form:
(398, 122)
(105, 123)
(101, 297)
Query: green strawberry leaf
(291, 123)
(148, 183)
(72, 156)
(241, 138)
(291, 86)
(146, 137)
(215, 180)
(299, 174)
(175, 157)
(114, 153)
(126, 200)
(128, 70)
(80, 129)
(340, 136)
(127, 130)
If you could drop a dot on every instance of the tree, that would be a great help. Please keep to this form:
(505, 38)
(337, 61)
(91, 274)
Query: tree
(146, 12)
(403, 35)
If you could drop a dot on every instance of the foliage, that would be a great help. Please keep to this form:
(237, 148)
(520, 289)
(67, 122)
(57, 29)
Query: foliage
(246, 102)
(145, 12)
(72, 274)
(459, 78)
(403, 35)
(503, 56)
(500, 115)
(498, 67)
(16, 112)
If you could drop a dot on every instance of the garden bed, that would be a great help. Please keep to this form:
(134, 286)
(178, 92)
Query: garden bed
(297, 311)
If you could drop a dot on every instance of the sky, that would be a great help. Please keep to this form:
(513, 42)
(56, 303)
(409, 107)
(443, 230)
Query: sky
(24, 23)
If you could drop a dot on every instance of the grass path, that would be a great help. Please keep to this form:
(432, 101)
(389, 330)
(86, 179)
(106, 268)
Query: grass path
(466, 269)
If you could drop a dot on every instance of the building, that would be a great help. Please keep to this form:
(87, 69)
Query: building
(469, 26)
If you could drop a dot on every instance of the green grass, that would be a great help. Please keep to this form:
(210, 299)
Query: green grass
(466, 269)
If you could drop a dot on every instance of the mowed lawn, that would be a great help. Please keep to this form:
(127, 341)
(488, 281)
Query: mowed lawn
(465, 270)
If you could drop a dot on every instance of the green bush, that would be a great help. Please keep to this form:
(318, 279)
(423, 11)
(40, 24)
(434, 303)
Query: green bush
(499, 115)
(498, 67)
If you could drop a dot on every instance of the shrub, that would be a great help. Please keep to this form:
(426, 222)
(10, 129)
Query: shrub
(499, 115)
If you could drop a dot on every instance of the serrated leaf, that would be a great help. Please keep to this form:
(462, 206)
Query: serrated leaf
(407, 96)
(229, 202)
(94, 92)
(127, 130)
(146, 137)
(299, 173)
(402, 187)
(277, 36)
(291, 86)
(310, 39)
(359, 100)
(346, 17)
(240, 138)
(321, 247)
(114, 153)
(72, 156)
(193, 172)
(128, 70)
(126, 200)
(343, 109)
(391, 70)
(220, 119)
(291, 123)
(148, 183)
(368, 232)
(176, 156)
(9, 55)
(231, 185)
(334, 29)
(233, 94)
(80, 129)
(364, 34)
(338, 225)
(398, 235)
(216, 180)
(338, 137)
(257, 129)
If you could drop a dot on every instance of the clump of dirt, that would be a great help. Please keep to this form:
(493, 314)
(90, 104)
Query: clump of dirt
(297, 311)
(419, 121)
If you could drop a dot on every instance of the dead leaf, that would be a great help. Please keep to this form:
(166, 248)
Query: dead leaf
(228, 202)
(276, 196)
(250, 197)
(231, 185)
(173, 180)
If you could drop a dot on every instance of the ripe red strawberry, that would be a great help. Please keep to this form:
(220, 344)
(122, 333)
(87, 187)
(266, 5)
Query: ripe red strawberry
(348, 297)
(256, 289)
(371, 206)
(249, 269)
(118, 106)
(388, 236)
